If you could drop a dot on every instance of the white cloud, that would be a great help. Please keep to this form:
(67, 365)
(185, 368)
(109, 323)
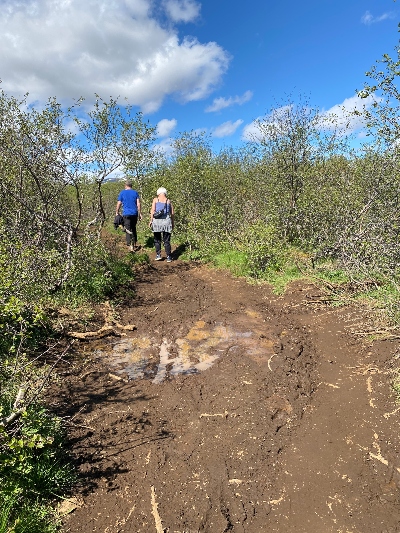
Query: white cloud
(227, 128)
(165, 146)
(70, 48)
(222, 103)
(71, 126)
(165, 126)
(251, 131)
(182, 10)
(369, 19)
(348, 116)
(116, 175)
(199, 131)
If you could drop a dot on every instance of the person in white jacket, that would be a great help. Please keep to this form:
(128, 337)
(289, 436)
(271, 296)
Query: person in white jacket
(162, 222)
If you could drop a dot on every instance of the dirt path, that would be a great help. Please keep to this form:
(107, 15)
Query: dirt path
(237, 411)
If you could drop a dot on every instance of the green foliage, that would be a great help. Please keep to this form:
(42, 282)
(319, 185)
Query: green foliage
(18, 516)
(22, 264)
(95, 273)
(265, 250)
(232, 260)
(20, 325)
(384, 93)
(33, 467)
(138, 259)
(34, 470)
(32, 459)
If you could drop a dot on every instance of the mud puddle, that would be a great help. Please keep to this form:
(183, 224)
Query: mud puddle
(204, 344)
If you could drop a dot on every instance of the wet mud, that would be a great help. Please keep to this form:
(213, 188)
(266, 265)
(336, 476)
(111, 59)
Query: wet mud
(232, 409)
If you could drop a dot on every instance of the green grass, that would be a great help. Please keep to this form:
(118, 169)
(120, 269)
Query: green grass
(26, 517)
(34, 471)
(331, 275)
(281, 279)
(140, 258)
(236, 262)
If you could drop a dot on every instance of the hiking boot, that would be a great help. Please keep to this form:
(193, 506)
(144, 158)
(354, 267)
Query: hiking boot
(158, 257)
(169, 259)
(131, 249)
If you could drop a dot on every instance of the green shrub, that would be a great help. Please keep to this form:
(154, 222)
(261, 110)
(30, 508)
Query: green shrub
(233, 260)
(19, 516)
(95, 272)
(34, 470)
(264, 248)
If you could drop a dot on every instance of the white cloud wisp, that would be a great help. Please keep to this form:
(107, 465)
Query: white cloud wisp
(347, 116)
(182, 10)
(369, 19)
(222, 103)
(227, 128)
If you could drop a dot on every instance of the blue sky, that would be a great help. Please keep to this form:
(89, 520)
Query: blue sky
(212, 65)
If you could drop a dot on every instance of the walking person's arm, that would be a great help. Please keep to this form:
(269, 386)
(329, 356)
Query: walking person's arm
(153, 208)
(139, 208)
(172, 214)
(119, 203)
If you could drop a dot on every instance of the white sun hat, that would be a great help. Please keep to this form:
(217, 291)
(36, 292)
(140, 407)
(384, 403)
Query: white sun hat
(162, 190)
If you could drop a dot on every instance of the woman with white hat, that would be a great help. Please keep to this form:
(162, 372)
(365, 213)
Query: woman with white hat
(162, 222)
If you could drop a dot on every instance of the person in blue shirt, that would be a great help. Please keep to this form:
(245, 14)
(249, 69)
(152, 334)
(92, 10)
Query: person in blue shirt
(130, 201)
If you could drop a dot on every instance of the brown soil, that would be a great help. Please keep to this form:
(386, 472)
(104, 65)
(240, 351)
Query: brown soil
(232, 409)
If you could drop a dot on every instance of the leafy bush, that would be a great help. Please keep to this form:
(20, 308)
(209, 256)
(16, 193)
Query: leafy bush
(34, 470)
(33, 466)
(95, 272)
(265, 249)
(32, 458)
(19, 516)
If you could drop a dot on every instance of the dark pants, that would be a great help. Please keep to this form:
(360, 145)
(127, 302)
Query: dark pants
(130, 222)
(166, 237)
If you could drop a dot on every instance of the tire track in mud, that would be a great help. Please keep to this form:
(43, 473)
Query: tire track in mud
(186, 449)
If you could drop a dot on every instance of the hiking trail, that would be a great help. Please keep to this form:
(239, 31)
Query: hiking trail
(232, 409)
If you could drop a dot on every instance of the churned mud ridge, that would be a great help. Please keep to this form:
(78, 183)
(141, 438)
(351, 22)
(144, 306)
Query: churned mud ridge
(215, 414)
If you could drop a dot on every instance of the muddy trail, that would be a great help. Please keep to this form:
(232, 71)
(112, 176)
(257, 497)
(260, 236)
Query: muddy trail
(232, 409)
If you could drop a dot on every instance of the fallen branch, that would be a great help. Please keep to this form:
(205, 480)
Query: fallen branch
(206, 415)
(154, 511)
(17, 410)
(269, 361)
(104, 331)
(20, 406)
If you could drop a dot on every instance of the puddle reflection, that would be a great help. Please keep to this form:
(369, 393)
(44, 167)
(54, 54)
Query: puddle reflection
(197, 351)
